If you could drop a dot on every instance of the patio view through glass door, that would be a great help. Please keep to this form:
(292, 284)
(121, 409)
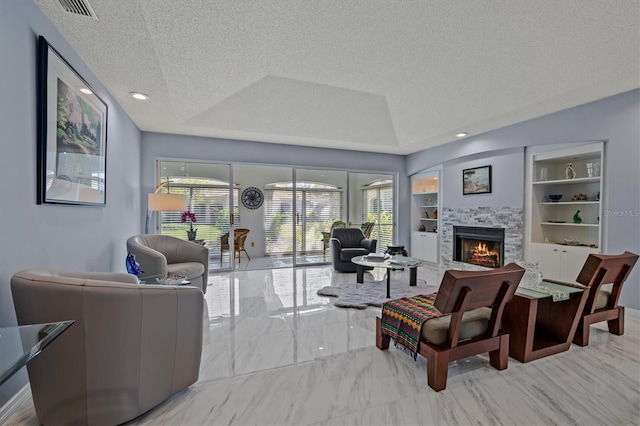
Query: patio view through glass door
(213, 201)
(320, 200)
(291, 227)
(377, 207)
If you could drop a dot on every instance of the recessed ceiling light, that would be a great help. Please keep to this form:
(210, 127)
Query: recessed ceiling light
(139, 96)
(86, 91)
(461, 134)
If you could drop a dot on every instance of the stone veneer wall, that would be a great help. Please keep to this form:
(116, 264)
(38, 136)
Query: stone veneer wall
(509, 218)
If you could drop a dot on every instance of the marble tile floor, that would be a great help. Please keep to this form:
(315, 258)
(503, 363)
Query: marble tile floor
(276, 353)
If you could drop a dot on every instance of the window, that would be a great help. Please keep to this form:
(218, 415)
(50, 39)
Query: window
(377, 197)
(209, 200)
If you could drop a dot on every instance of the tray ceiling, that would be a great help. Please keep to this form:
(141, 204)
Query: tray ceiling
(381, 76)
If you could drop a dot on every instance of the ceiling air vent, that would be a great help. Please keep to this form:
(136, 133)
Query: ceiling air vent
(79, 7)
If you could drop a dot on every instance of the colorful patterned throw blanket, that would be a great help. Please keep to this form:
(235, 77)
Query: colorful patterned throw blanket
(402, 319)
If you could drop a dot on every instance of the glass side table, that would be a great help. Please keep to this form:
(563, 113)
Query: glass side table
(159, 280)
(20, 344)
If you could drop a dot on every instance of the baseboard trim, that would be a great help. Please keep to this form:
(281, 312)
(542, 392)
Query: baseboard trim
(11, 405)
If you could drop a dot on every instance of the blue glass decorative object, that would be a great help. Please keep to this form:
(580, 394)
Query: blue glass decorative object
(133, 267)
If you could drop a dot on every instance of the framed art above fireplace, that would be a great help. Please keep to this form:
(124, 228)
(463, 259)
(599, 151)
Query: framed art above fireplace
(476, 180)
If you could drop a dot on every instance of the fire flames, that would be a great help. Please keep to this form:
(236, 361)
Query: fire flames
(482, 254)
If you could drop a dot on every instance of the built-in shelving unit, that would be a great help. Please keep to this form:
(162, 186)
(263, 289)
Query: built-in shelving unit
(424, 215)
(560, 234)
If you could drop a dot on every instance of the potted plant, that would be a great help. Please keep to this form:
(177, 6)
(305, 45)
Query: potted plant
(191, 217)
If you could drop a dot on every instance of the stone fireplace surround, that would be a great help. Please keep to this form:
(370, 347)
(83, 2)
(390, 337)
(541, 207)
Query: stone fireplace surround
(509, 218)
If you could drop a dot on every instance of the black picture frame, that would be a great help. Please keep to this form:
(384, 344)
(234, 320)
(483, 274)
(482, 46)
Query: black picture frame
(476, 180)
(72, 134)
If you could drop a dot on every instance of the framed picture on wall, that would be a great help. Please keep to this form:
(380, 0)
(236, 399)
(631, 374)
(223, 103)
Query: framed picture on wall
(72, 134)
(476, 180)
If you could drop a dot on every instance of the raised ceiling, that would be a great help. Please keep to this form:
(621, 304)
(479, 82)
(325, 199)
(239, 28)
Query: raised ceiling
(371, 75)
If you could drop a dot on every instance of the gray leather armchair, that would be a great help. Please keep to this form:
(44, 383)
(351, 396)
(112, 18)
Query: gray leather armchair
(347, 243)
(165, 255)
(131, 347)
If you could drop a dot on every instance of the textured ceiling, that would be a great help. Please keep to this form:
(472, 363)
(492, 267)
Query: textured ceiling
(379, 75)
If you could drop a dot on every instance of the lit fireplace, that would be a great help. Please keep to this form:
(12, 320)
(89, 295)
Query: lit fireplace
(478, 245)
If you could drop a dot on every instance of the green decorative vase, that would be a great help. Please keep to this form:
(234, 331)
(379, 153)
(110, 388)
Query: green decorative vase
(577, 218)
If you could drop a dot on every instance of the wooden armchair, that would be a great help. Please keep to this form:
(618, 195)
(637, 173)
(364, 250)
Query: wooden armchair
(475, 302)
(602, 305)
(367, 228)
(239, 238)
(326, 236)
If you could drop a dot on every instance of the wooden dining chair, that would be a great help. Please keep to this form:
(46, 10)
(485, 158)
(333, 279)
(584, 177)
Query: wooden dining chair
(472, 303)
(602, 304)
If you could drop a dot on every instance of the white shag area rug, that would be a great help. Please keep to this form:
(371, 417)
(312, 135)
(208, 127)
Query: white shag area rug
(374, 293)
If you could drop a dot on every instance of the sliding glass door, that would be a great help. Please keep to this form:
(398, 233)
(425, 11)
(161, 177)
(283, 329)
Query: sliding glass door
(213, 201)
(292, 224)
(320, 201)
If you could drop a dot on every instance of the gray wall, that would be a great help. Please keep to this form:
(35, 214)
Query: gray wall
(51, 236)
(507, 180)
(616, 120)
(160, 145)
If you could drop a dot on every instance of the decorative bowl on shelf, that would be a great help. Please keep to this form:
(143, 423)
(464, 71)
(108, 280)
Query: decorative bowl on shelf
(571, 241)
(555, 197)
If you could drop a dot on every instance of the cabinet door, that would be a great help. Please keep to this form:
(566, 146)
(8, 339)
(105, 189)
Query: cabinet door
(430, 247)
(561, 263)
(571, 262)
(548, 258)
(418, 245)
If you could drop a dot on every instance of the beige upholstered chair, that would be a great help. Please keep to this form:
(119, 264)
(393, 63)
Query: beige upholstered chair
(165, 255)
(131, 347)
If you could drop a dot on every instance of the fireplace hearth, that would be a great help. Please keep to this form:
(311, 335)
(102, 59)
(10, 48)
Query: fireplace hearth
(479, 246)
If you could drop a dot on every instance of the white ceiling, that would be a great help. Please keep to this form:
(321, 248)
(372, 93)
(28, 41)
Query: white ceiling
(369, 75)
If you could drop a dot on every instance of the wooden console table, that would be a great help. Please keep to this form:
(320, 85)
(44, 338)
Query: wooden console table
(539, 326)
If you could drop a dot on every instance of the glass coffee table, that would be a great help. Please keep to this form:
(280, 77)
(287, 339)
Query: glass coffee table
(20, 344)
(392, 263)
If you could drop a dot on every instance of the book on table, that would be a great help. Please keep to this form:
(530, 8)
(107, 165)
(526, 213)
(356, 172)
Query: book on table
(377, 257)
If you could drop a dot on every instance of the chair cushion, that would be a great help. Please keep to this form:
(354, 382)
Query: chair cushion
(348, 237)
(346, 254)
(190, 270)
(474, 323)
(602, 299)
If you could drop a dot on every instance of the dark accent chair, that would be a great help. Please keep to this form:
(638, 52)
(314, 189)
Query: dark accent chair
(475, 301)
(347, 243)
(602, 305)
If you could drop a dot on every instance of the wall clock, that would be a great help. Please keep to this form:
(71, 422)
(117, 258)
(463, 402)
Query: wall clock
(252, 198)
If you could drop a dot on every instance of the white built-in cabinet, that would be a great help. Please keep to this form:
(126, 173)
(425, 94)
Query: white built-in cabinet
(559, 235)
(425, 220)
